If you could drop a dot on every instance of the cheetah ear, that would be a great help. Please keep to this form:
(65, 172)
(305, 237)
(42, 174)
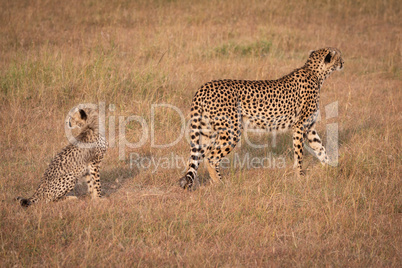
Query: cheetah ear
(311, 53)
(83, 114)
(328, 58)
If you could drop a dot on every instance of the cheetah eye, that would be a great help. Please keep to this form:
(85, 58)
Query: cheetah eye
(328, 58)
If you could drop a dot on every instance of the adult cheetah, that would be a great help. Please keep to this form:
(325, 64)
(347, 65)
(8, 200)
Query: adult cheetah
(220, 109)
(79, 159)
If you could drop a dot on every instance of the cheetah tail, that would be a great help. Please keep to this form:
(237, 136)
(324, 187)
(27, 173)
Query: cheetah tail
(25, 202)
(190, 180)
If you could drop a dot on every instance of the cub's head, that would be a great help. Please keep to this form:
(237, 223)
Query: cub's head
(77, 119)
(81, 117)
(324, 61)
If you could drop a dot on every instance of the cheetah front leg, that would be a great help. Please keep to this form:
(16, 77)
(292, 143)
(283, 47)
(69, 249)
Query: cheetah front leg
(298, 149)
(315, 143)
(93, 180)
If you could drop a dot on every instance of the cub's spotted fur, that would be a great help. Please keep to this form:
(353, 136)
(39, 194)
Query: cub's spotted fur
(79, 159)
(220, 109)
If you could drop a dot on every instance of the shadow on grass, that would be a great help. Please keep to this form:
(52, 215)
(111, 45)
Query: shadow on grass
(111, 181)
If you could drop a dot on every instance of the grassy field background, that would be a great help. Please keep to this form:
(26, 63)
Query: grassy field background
(135, 54)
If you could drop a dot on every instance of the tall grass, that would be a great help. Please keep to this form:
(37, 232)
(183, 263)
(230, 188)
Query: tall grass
(135, 54)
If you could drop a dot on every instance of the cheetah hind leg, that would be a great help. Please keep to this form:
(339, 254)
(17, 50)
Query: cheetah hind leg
(66, 182)
(224, 143)
(213, 171)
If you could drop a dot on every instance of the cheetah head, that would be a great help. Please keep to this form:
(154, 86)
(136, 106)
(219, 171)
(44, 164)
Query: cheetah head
(77, 118)
(82, 117)
(324, 61)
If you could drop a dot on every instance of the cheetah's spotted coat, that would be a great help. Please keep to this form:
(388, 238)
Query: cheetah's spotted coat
(220, 109)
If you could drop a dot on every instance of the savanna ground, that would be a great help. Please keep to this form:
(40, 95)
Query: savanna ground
(132, 55)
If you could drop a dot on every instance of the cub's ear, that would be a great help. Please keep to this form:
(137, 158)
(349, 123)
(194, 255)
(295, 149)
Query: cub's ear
(311, 53)
(83, 114)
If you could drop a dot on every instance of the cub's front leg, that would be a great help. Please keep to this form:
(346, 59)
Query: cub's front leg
(93, 180)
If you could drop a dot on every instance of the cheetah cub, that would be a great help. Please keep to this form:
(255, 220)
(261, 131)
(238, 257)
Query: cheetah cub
(221, 109)
(79, 159)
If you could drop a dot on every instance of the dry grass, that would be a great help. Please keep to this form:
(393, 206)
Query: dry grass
(57, 54)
